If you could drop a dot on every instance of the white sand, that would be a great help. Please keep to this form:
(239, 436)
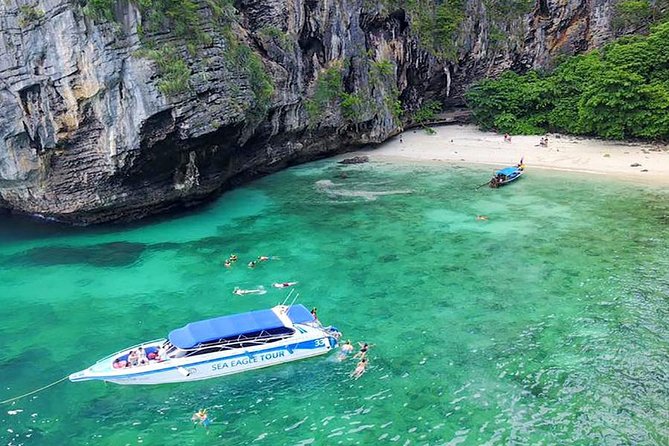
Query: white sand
(465, 143)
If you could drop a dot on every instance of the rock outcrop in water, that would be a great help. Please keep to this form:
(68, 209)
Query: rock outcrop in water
(103, 120)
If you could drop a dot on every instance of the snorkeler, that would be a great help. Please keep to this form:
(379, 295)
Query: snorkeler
(252, 264)
(284, 284)
(240, 292)
(227, 263)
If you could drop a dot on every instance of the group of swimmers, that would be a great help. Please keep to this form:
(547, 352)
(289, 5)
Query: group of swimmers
(230, 260)
(252, 264)
(361, 366)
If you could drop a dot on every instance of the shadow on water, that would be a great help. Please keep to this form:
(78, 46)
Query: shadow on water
(103, 255)
(16, 227)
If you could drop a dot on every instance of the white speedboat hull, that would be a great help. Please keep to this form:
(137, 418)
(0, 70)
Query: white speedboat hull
(307, 340)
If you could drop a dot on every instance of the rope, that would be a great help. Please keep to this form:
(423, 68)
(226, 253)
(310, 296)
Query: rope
(34, 391)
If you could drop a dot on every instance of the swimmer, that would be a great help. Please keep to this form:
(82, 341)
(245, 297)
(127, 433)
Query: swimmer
(364, 348)
(481, 217)
(344, 351)
(201, 417)
(233, 257)
(240, 292)
(263, 258)
(227, 263)
(284, 284)
(314, 314)
(252, 264)
(359, 369)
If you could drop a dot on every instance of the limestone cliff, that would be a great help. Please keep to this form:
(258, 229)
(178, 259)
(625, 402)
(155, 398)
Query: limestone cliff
(106, 119)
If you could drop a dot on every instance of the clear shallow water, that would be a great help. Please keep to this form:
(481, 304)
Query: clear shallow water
(546, 324)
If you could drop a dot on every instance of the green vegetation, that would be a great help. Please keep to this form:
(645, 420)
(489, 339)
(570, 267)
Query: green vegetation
(329, 92)
(426, 113)
(100, 10)
(620, 92)
(508, 9)
(179, 16)
(383, 68)
(329, 89)
(29, 15)
(281, 38)
(242, 58)
(173, 70)
(437, 24)
(352, 106)
(632, 13)
(638, 14)
(394, 104)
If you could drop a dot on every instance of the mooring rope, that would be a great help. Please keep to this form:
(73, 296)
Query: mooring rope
(34, 391)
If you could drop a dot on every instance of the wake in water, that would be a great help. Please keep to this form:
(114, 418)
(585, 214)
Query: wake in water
(331, 189)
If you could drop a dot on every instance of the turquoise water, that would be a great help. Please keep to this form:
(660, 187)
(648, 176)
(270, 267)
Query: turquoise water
(548, 323)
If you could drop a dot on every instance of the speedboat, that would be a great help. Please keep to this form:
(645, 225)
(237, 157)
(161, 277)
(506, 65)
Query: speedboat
(217, 347)
(507, 175)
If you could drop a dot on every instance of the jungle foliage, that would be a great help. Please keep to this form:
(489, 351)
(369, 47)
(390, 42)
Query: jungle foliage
(620, 91)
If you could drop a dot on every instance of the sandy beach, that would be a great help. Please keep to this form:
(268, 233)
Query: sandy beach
(467, 144)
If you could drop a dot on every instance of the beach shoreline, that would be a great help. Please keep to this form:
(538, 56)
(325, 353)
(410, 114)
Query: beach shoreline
(643, 163)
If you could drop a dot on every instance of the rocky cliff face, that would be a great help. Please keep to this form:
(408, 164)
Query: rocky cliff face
(90, 131)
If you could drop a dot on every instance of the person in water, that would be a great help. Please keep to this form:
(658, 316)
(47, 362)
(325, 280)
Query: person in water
(227, 263)
(284, 284)
(252, 264)
(360, 368)
(201, 417)
(364, 348)
(263, 258)
(314, 314)
(345, 350)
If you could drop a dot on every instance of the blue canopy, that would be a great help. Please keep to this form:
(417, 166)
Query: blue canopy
(507, 171)
(298, 314)
(223, 327)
